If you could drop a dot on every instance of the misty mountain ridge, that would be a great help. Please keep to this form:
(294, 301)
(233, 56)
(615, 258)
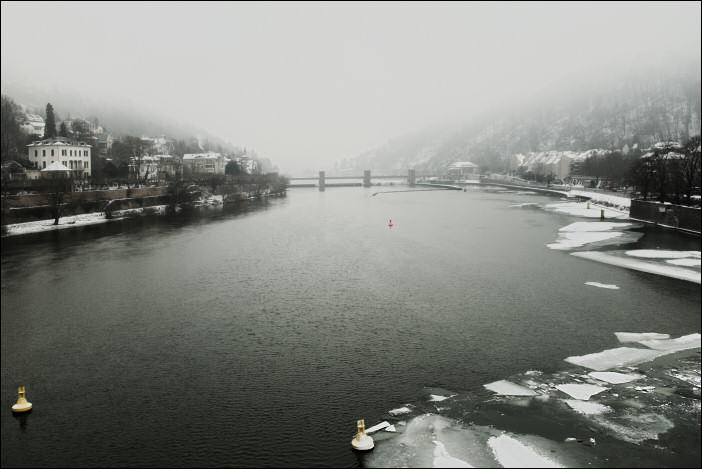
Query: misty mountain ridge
(125, 118)
(604, 109)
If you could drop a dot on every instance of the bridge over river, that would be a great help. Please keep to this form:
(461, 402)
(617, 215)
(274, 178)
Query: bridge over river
(411, 180)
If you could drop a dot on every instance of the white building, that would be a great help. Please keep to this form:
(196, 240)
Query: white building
(463, 170)
(556, 163)
(204, 163)
(72, 154)
(34, 125)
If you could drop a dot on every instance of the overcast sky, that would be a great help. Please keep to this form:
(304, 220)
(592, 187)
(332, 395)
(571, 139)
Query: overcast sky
(308, 83)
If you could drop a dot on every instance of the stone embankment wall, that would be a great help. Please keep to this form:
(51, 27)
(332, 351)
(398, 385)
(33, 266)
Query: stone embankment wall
(673, 216)
(33, 207)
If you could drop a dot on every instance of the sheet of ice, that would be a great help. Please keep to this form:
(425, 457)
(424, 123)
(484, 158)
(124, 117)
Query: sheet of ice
(575, 239)
(659, 269)
(506, 388)
(581, 391)
(602, 285)
(524, 204)
(377, 427)
(687, 262)
(582, 226)
(681, 343)
(638, 336)
(588, 408)
(663, 254)
(613, 358)
(401, 410)
(443, 459)
(613, 377)
(435, 397)
(511, 453)
(390, 428)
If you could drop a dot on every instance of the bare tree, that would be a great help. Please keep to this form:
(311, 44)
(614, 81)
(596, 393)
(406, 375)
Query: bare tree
(58, 184)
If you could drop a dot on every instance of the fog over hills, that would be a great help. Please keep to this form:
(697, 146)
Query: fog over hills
(119, 117)
(650, 101)
(603, 109)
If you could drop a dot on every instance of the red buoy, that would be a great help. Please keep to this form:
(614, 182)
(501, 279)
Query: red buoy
(390, 224)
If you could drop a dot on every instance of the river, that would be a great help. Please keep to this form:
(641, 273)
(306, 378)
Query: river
(257, 335)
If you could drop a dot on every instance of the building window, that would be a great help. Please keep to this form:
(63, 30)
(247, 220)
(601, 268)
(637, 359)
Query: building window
(43, 153)
(70, 153)
(43, 164)
(52, 152)
(36, 152)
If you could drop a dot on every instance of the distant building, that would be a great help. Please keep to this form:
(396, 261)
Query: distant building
(74, 155)
(204, 163)
(104, 142)
(246, 164)
(557, 163)
(156, 167)
(34, 125)
(463, 170)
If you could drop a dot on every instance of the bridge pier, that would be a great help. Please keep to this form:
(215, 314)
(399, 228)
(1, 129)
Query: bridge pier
(366, 178)
(321, 181)
(412, 178)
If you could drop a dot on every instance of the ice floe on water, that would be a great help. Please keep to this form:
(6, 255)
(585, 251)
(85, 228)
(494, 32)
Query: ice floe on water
(505, 388)
(613, 377)
(588, 408)
(663, 254)
(680, 273)
(681, 343)
(537, 419)
(400, 411)
(580, 391)
(443, 459)
(509, 452)
(613, 358)
(685, 262)
(525, 204)
(579, 234)
(435, 397)
(602, 285)
(637, 336)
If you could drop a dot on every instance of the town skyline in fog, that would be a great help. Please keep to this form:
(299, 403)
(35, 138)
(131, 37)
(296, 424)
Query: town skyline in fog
(305, 84)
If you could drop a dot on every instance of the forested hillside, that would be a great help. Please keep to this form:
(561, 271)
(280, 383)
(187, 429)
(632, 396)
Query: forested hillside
(643, 106)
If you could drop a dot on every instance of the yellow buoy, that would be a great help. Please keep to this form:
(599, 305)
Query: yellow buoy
(22, 404)
(362, 442)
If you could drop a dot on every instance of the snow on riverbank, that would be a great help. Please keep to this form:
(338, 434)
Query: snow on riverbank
(94, 218)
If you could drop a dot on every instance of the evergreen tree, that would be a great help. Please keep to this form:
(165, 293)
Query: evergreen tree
(63, 130)
(12, 137)
(50, 127)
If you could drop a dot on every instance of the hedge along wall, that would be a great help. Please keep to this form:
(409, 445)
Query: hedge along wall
(676, 216)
